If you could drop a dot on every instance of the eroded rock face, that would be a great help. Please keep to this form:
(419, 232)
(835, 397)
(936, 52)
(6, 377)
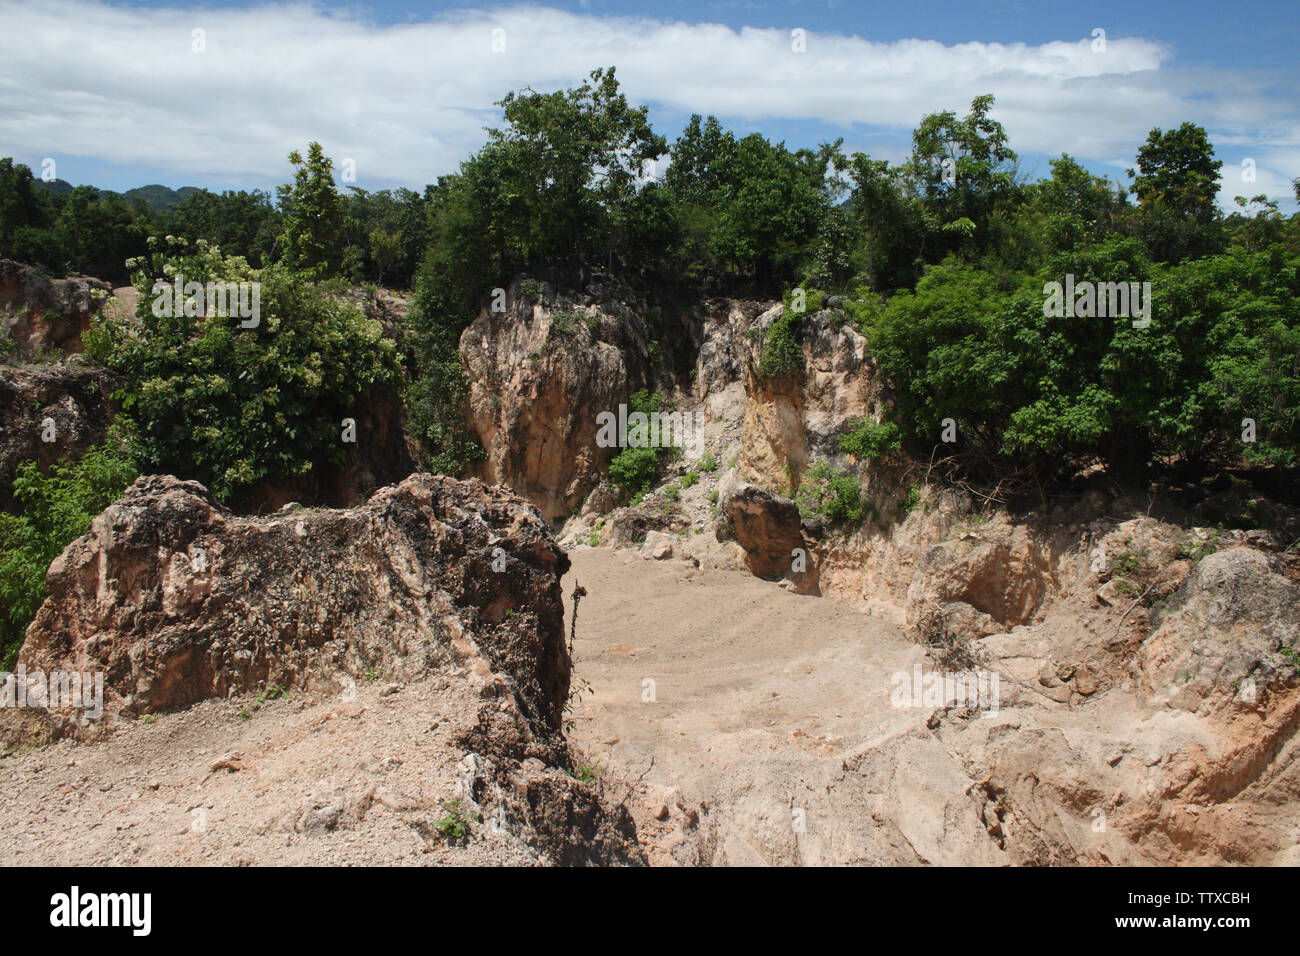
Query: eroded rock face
(790, 421)
(176, 599)
(449, 590)
(39, 314)
(71, 404)
(539, 375)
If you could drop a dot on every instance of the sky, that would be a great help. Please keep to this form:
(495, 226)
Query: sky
(123, 94)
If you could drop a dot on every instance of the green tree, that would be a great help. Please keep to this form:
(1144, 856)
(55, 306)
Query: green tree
(1177, 170)
(385, 247)
(19, 207)
(313, 215)
(234, 400)
(242, 223)
(964, 172)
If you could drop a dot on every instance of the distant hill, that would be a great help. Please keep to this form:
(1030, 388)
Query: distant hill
(59, 186)
(157, 198)
(160, 198)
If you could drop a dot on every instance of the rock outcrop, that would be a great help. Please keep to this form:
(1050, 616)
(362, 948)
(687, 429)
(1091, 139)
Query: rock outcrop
(769, 529)
(788, 420)
(50, 413)
(39, 315)
(176, 601)
(540, 372)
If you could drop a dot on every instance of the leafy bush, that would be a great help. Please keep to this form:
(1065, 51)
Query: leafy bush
(1024, 386)
(690, 478)
(781, 352)
(836, 496)
(867, 439)
(634, 469)
(235, 407)
(57, 508)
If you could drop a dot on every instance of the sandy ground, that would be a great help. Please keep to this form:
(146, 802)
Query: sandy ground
(299, 781)
(748, 698)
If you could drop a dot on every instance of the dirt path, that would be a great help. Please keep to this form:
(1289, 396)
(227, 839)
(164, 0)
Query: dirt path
(771, 709)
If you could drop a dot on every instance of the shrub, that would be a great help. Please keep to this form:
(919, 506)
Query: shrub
(633, 469)
(235, 407)
(834, 495)
(57, 508)
(867, 439)
(781, 352)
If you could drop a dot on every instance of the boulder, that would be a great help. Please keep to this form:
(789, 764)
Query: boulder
(768, 527)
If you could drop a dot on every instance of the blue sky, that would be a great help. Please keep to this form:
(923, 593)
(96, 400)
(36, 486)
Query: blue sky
(117, 95)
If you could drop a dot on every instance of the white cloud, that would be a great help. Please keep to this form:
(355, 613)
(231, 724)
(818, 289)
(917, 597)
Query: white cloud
(409, 101)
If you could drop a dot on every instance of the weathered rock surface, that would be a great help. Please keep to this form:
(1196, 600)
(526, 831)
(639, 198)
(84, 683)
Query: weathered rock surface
(540, 373)
(69, 403)
(791, 420)
(769, 528)
(39, 315)
(778, 715)
(176, 601)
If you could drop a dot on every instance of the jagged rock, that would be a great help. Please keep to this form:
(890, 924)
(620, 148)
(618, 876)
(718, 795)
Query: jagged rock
(74, 400)
(538, 378)
(176, 599)
(658, 546)
(790, 421)
(39, 314)
(1227, 618)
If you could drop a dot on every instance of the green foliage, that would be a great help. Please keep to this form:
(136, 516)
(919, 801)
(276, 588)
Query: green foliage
(782, 354)
(242, 223)
(69, 229)
(55, 509)
(708, 462)
(1177, 169)
(587, 773)
(867, 439)
(634, 469)
(1220, 348)
(385, 247)
(313, 215)
(834, 495)
(454, 825)
(690, 479)
(907, 504)
(236, 407)
(963, 171)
